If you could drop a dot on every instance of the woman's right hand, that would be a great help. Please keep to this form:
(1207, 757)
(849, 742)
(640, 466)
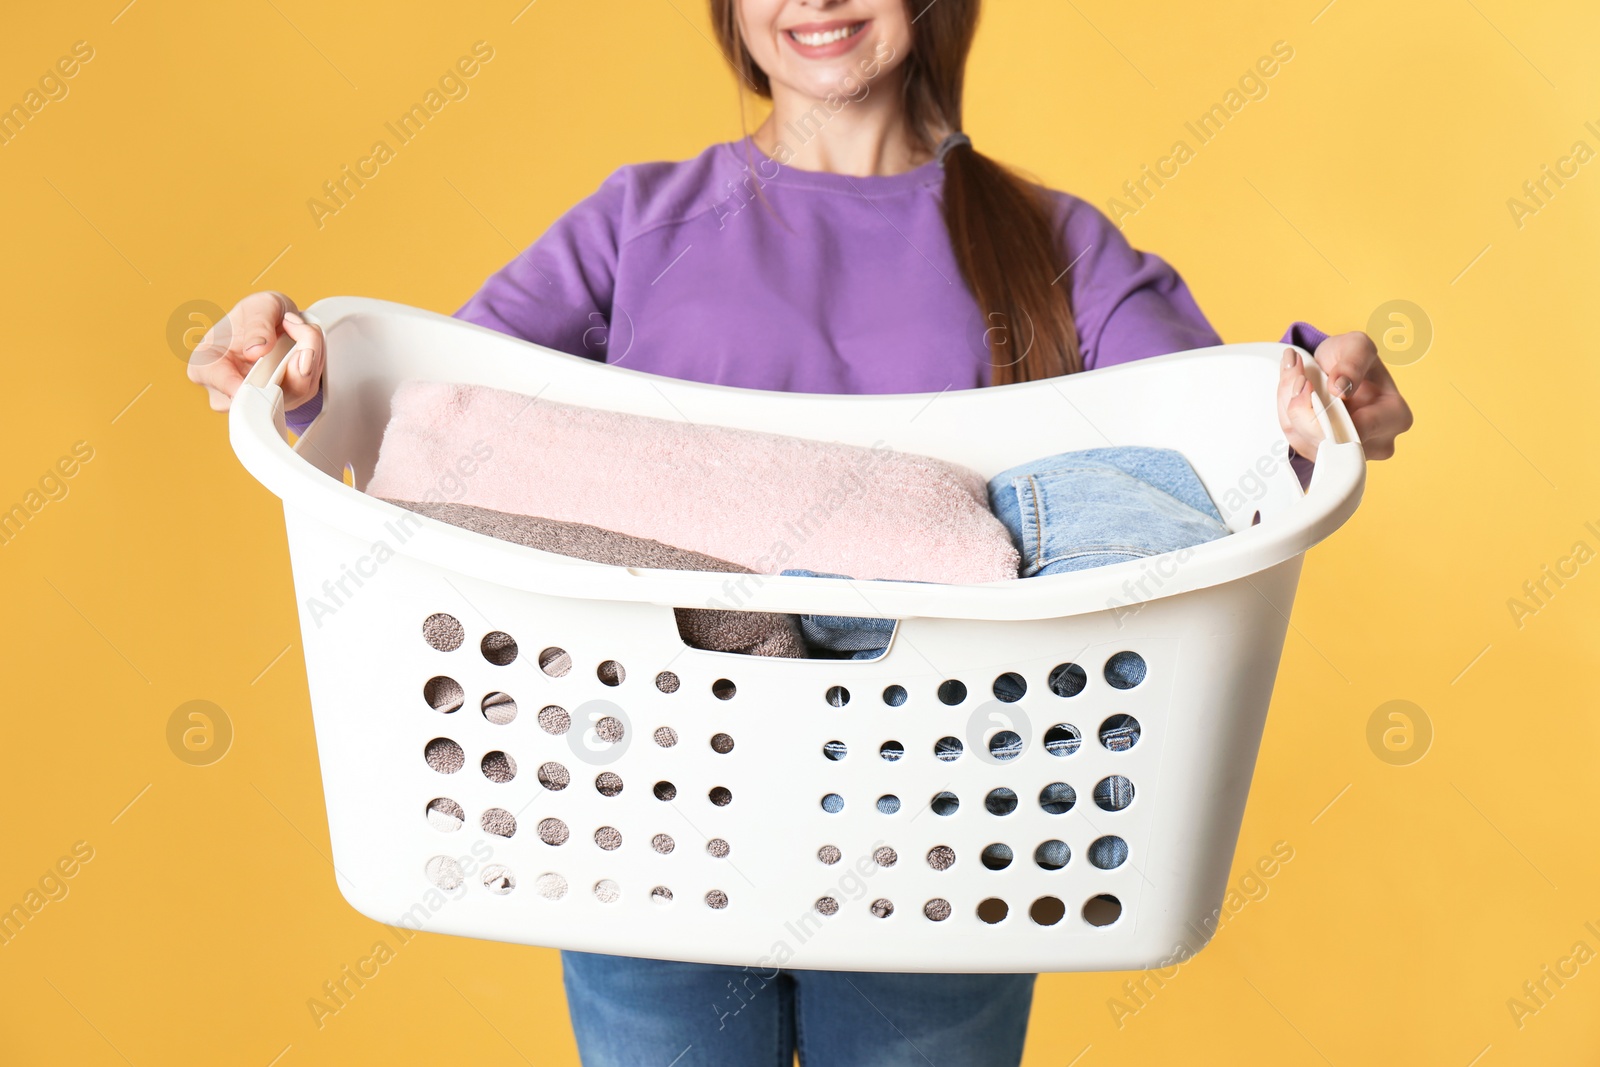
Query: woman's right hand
(231, 347)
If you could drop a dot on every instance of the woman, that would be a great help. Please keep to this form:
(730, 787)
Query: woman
(856, 242)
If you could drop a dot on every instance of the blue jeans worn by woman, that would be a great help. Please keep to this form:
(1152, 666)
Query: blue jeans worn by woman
(629, 1012)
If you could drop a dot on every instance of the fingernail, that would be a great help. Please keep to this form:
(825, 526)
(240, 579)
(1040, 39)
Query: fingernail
(294, 317)
(304, 365)
(1343, 386)
(1288, 359)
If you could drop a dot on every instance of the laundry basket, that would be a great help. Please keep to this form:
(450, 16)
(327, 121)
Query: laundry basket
(612, 790)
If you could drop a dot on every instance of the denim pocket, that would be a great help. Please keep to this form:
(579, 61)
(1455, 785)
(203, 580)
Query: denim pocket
(1076, 517)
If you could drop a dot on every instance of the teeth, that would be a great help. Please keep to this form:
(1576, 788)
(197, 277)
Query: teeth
(815, 39)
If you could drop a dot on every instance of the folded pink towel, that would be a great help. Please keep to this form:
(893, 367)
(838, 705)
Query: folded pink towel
(765, 501)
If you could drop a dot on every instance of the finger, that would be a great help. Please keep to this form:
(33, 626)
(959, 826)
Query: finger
(1305, 432)
(1379, 423)
(255, 321)
(1290, 375)
(1346, 360)
(304, 373)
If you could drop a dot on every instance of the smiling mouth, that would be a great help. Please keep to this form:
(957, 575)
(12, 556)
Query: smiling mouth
(826, 37)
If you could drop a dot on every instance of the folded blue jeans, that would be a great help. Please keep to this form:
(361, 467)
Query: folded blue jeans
(629, 1012)
(1068, 512)
(1100, 506)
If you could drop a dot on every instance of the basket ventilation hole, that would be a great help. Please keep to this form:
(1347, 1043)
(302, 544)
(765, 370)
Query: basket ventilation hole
(667, 682)
(550, 885)
(1108, 853)
(610, 672)
(720, 795)
(1062, 739)
(607, 891)
(1119, 733)
(721, 743)
(443, 632)
(499, 648)
(608, 729)
(718, 848)
(555, 662)
(608, 783)
(833, 803)
(1010, 687)
(723, 689)
(894, 696)
(948, 749)
(1102, 910)
(666, 736)
(1125, 670)
(941, 857)
(1047, 911)
(445, 815)
(608, 838)
(1052, 855)
(498, 767)
(937, 909)
(661, 895)
(553, 831)
(498, 878)
(665, 790)
(499, 708)
(891, 750)
(554, 777)
(952, 692)
(1113, 793)
(1001, 801)
(498, 821)
(835, 750)
(837, 696)
(443, 694)
(945, 803)
(1005, 745)
(888, 804)
(444, 755)
(1068, 680)
(443, 872)
(829, 854)
(885, 856)
(882, 908)
(553, 719)
(662, 843)
(827, 905)
(1057, 798)
(997, 857)
(717, 899)
(993, 910)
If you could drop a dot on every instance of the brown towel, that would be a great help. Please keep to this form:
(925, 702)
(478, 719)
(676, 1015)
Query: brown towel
(753, 633)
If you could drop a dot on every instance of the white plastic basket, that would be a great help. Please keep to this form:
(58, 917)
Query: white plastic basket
(1209, 624)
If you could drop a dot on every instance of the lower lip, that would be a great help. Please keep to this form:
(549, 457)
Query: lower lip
(832, 48)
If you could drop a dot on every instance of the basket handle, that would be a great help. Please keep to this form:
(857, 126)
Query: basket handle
(1340, 466)
(261, 392)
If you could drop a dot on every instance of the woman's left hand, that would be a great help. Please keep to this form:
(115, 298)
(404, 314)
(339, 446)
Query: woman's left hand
(1354, 373)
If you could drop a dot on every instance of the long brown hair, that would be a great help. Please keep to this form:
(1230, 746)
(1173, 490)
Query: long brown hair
(1000, 225)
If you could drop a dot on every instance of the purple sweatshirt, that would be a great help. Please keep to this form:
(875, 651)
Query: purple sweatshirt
(846, 285)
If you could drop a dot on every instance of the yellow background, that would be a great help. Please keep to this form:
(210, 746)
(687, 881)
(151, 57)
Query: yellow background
(1377, 168)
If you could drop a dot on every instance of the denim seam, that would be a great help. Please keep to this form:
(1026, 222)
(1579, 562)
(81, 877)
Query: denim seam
(1036, 499)
(799, 1025)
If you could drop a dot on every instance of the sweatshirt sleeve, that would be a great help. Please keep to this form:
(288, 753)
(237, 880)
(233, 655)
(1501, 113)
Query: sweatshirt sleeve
(557, 292)
(1131, 305)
